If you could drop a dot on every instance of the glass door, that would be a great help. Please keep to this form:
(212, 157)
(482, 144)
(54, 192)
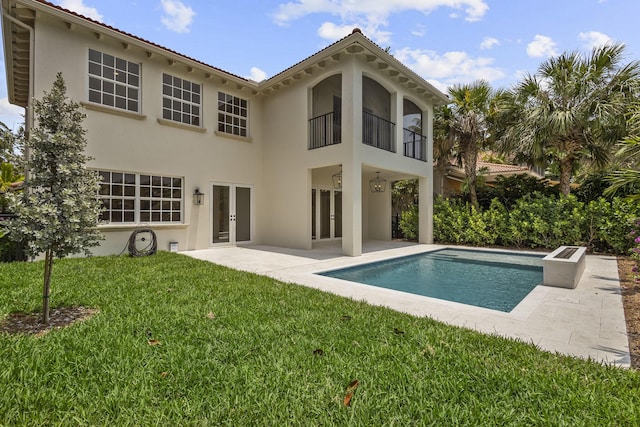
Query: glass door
(231, 214)
(326, 214)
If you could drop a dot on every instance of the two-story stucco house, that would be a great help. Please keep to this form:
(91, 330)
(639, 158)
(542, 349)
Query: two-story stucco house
(305, 156)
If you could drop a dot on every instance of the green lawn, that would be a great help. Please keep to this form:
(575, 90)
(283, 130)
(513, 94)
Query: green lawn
(241, 349)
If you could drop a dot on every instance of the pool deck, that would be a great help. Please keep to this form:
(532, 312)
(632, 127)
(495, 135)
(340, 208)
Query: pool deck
(586, 322)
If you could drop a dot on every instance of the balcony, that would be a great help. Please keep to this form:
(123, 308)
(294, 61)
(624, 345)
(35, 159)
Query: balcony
(378, 132)
(325, 130)
(415, 145)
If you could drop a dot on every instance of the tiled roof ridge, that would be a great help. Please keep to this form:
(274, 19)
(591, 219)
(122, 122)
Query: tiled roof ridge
(355, 30)
(102, 24)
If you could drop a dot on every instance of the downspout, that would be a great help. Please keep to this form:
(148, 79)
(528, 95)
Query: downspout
(28, 117)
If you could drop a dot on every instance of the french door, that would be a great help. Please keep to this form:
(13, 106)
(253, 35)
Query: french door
(231, 214)
(326, 214)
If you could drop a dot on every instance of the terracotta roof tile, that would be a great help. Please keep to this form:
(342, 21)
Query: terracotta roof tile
(496, 168)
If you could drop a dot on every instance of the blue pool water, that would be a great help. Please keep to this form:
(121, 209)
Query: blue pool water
(494, 280)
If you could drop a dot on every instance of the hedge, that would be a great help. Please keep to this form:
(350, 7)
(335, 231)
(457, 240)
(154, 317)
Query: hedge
(533, 221)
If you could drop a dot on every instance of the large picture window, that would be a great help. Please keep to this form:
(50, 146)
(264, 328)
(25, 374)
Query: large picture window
(180, 100)
(232, 115)
(138, 198)
(113, 81)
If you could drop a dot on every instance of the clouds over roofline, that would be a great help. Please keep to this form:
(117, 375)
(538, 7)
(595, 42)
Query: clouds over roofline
(177, 17)
(450, 68)
(371, 15)
(79, 7)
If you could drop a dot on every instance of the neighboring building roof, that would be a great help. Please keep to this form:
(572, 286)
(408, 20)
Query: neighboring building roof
(18, 56)
(497, 168)
(491, 170)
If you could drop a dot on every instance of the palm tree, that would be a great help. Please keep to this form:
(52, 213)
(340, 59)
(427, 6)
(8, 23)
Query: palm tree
(572, 111)
(627, 173)
(462, 126)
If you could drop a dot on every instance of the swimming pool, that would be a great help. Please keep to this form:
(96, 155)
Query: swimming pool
(494, 280)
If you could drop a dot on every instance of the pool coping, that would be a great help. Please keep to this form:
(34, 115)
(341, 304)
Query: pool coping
(586, 322)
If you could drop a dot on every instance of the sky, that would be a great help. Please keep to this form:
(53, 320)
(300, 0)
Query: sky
(446, 42)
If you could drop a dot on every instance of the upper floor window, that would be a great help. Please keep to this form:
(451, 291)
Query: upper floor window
(113, 81)
(130, 198)
(180, 100)
(232, 114)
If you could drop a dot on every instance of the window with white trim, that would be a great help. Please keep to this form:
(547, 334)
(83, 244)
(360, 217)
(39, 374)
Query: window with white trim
(113, 81)
(180, 100)
(130, 198)
(232, 115)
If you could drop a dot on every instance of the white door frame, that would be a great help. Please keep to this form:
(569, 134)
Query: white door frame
(332, 214)
(232, 238)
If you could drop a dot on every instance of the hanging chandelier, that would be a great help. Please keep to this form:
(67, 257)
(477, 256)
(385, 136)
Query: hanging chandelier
(377, 184)
(337, 179)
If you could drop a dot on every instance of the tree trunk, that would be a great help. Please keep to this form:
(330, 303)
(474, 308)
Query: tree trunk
(46, 291)
(441, 168)
(565, 176)
(470, 162)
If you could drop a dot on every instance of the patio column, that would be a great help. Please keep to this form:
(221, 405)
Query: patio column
(352, 209)
(425, 205)
(351, 163)
(425, 210)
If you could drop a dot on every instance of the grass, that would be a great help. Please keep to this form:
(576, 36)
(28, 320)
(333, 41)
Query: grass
(241, 349)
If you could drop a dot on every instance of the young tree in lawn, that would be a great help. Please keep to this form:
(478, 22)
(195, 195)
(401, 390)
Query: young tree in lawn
(58, 212)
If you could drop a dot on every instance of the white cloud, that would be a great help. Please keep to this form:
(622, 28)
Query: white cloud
(256, 74)
(330, 31)
(419, 31)
(542, 46)
(177, 16)
(488, 43)
(11, 115)
(78, 6)
(450, 68)
(372, 14)
(593, 39)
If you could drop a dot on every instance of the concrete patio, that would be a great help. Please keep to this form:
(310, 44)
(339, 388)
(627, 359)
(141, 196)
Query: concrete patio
(585, 322)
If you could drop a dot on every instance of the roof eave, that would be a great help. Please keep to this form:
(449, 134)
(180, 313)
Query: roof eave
(356, 44)
(128, 40)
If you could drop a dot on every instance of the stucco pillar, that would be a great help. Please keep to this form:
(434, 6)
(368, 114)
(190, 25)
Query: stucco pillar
(351, 164)
(425, 183)
(397, 117)
(425, 209)
(352, 209)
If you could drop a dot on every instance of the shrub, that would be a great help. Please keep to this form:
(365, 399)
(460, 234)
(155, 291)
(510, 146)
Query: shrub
(409, 223)
(537, 221)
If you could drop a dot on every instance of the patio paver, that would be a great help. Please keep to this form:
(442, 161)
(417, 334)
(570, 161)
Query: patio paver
(586, 322)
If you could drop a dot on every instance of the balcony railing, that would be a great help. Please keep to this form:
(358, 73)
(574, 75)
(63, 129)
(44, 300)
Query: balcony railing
(325, 130)
(378, 132)
(415, 145)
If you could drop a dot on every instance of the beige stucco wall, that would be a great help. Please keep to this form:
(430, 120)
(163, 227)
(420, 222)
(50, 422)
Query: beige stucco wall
(274, 162)
(142, 145)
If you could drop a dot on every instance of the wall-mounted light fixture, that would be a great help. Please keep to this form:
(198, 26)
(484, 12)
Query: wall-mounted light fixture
(377, 184)
(337, 179)
(198, 197)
